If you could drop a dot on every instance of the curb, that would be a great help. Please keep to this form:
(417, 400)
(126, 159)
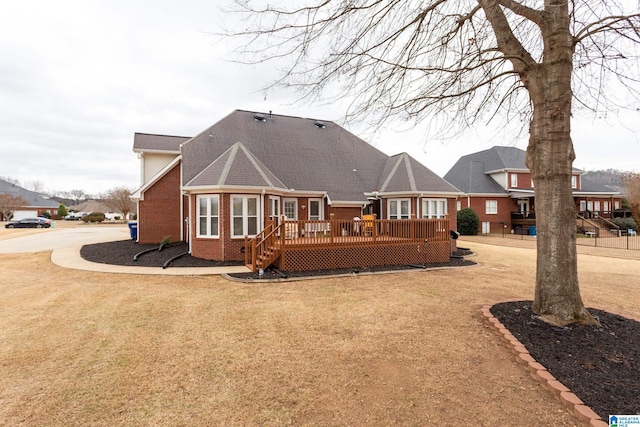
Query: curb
(331, 276)
(538, 372)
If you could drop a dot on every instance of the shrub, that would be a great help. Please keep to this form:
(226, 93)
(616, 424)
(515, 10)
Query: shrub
(46, 215)
(94, 217)
(468, 222)
(625, 223)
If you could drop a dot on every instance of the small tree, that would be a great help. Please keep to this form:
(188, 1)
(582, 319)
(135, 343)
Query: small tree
(468, 222)
(631, 184)
(62, 210)
(9, 203)
(119, 199)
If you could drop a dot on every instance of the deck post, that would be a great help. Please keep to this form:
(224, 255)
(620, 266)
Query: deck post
(331, 227)
(374, 229)
(254, 255)
(246, 250)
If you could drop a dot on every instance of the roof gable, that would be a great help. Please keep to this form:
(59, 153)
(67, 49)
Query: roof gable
(237, 167)
(469, 173)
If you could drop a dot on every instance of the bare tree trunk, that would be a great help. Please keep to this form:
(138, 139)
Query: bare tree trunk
(550, 158)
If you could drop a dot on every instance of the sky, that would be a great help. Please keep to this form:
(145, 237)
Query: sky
(79, 78)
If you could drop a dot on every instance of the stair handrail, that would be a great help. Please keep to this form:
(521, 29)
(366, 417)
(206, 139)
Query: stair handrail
(260, 243)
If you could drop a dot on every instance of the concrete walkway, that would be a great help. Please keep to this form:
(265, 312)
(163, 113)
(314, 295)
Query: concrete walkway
(65, 244)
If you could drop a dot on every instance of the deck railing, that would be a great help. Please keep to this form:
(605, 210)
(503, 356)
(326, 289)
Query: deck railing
(302, 235)
(346, 232)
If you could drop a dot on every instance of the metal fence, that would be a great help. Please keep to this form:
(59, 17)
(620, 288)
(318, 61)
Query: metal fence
(624, 239)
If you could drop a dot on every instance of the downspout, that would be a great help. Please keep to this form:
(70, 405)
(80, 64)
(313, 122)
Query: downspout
(222, 221)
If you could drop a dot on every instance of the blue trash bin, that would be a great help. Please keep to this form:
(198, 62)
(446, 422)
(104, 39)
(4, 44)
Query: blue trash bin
(532, 230)
(133, 230)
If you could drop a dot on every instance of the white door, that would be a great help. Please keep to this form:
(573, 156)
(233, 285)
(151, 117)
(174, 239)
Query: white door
(290, 208)
(486, 227)
(274, 209)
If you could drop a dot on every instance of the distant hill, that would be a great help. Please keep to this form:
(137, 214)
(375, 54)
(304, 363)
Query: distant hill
(610, 178)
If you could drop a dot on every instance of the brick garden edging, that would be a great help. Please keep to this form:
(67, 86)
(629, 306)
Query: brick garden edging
(572, 402)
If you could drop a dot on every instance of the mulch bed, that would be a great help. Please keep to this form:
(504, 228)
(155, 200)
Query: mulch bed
(122, 252)
(599, 365)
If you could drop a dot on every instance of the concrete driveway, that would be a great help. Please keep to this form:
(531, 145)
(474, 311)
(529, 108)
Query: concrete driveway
(58, 238)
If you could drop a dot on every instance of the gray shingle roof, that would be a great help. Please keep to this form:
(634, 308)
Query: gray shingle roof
(404, 173)
(588, 186)
(152, 142)
(468, 173)
(304, 154)
(237, 167)
(33, 199)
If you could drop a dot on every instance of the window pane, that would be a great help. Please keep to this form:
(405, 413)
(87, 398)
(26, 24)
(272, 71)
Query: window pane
(393, 208)
(252, 225)
(237, 206)
(203, 226)
(203, 206)
(252, 206)
(314, 208)
(214, 206)
(214, 226)
(237, 226)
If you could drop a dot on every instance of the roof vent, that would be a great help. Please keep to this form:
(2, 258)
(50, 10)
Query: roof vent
(260, 117)
(320, 125)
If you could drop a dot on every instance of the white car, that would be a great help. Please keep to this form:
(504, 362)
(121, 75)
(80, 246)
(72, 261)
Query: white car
(75, 216)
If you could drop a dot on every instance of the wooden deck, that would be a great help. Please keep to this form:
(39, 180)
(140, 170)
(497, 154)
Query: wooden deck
(313, 245)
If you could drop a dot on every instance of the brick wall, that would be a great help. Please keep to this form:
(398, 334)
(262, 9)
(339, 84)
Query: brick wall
(159, 212)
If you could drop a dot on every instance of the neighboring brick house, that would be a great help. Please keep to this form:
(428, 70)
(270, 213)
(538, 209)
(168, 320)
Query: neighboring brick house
(214, 189)
(36, 204)
(498, 187)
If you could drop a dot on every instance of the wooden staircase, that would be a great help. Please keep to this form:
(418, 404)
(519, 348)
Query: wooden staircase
(593, 226)
(264, 249)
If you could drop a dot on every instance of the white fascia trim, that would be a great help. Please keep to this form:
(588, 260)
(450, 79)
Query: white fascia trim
(139, 193)
(348, 204)
(204, 189)
(441, 194)
(155, 151)
(507, 170)
(420, 194)
(486, 195)
(595, 193)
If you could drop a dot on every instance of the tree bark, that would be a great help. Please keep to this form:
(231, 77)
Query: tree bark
(550, 158)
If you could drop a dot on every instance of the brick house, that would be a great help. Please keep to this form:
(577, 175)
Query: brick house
(497, 185)
(36, 204)
(248, 169)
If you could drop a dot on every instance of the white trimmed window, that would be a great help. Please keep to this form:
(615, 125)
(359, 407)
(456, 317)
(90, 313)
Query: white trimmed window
(245, 215)
(434, 208)
(399, 208)
(208, 224)
(315, 210)
(290, 208)
(574, 181)
(458, 205)
(514, 180)
(491, 207)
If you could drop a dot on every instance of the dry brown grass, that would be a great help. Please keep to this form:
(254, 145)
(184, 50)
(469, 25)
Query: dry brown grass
(92, 349)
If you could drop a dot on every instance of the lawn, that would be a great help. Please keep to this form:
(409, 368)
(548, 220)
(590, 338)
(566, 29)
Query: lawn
(96, 349)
